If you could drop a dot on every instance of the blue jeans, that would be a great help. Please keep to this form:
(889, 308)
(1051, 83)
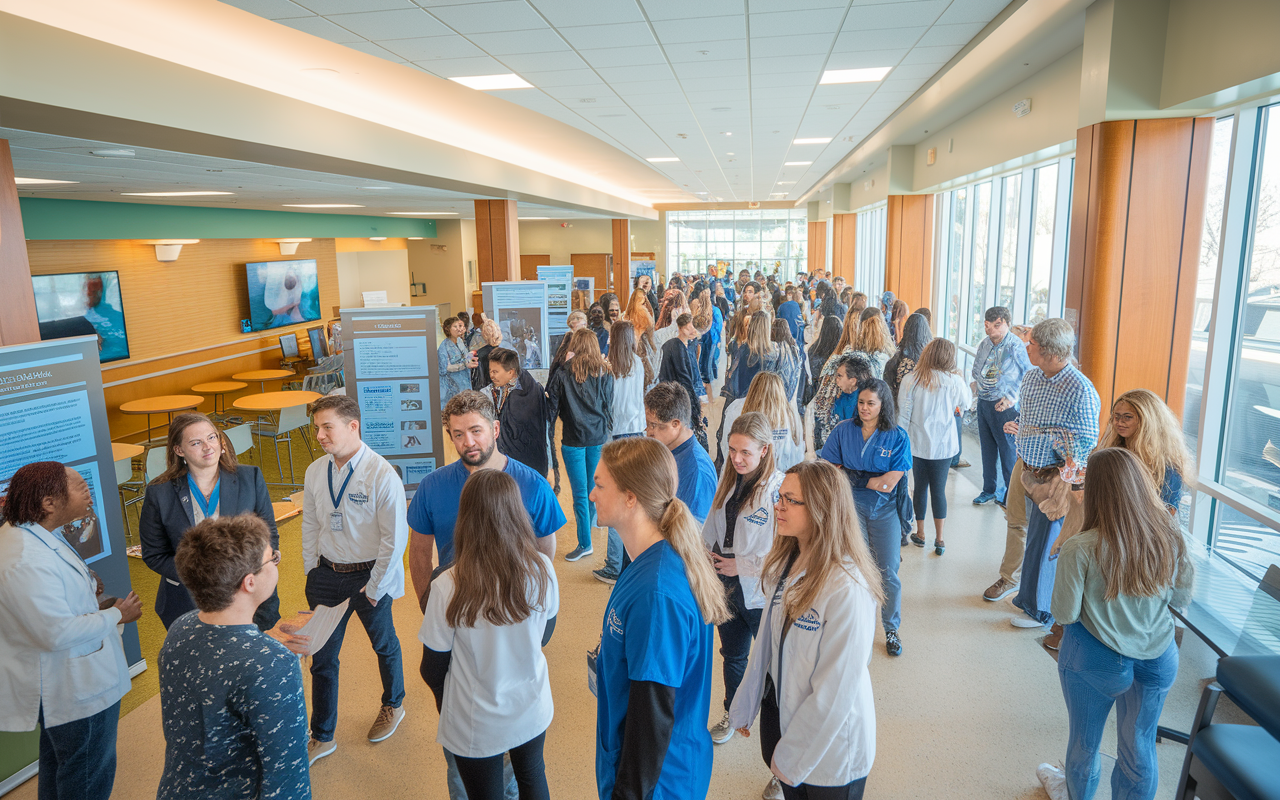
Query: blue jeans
(736, 636)
(325, 587)
(955, 460)
(884, 538)
(1035, 592)
(997, 446)
(580, 464)
(78, 758)
(614, 549)
(457, 791)
(1094, 676)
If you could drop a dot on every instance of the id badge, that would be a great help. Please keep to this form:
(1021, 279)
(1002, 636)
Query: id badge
(335, 521)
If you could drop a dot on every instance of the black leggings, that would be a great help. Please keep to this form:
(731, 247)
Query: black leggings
(771, 734)
(931, 478)
(482, 777)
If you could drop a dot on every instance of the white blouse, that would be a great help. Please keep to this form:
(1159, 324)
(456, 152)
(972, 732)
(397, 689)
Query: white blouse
(929, 414)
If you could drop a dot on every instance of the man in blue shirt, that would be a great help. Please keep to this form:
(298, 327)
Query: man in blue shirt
(666, 411)
(997, 376)
(469, 420)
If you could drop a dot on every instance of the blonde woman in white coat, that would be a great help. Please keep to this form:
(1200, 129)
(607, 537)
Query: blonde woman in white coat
(739, 534)
(768, 395)
(807, 677)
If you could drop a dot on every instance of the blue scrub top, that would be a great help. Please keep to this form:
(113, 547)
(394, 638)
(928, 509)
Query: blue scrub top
(885, 451)
(845, 406)
(653, 631)
(696, 475)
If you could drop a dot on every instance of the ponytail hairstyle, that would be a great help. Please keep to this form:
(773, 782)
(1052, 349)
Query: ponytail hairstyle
(645, 468)
(755, 426)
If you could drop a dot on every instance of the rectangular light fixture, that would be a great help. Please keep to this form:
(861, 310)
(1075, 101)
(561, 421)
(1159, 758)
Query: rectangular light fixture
(661, 160)
(529, 219)
(37, 181)
(491, 83)
(173, 194)
(814, 140)
(321, 205)
(424, 213)
(785, 183)
(865, 75)
(796, 163)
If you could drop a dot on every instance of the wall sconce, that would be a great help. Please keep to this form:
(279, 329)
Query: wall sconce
(289, 247)
(167, 250)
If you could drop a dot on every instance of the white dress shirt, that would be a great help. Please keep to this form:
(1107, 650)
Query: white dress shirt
(56, 648)
(929, 415)
(374, 526)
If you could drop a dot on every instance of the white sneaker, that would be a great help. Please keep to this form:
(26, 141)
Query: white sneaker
(1054, 781)
(722, 731)
(1023, 621)
(773, 791)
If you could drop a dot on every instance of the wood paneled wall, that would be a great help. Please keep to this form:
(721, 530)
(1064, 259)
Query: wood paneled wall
(529, 266)
(18, 323)
(843, 246)
(621, 259)
(497, 241)
(817, 247)
(1136, 222)
(908, 267)
(593, 265)
(193, 304)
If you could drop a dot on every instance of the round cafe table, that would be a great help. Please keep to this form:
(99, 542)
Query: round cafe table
(120, 451)
(218, 389)
(164, 404)
(264, 375)
(277, 401)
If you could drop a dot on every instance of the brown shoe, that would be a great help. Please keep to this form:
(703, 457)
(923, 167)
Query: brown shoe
(1054, 639)
(388, 720)
(999, 590)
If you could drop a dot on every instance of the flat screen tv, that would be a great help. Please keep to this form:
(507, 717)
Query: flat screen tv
(289, 345)
(319, 344)
(282, 293)
(83, 303)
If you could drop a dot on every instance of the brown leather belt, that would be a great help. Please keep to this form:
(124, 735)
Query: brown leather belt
(363, 565)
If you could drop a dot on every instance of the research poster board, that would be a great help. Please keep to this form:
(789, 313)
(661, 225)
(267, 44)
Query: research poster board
(559, 280)
(52, 409)
(584, 293)
(520, 309)
(392, 371)
(639, 268)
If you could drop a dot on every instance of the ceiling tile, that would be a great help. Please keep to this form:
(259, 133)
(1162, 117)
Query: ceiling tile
(544, 40)
(624, 34)
(784, 80)
(795, 22)
(319, 26)
(564, 77)
(866, 58)
(801, 45)
(589, 12)
(684, 9)
(931, 55)
(270, 9)
(652, 71)
(973, 11)
(341, 6)
(919, 72)
(705, 51)
(507, 15)
(893, 15)
(712, 69)
(899, 84)
(623, 56)
(788, 64)
(543, 62)
(463, 67)
(851, 41)
(579, 90)
(376, 25)
(951, 34)
(374, 50)
(647, 90)
(700, 28)
(431, 48)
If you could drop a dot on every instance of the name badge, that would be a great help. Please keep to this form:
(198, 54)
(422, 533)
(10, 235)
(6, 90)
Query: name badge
(335, 521)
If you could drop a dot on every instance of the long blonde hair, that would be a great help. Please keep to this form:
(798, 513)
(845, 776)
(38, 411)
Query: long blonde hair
(1158, 443)
(1140, 547)
(768, 395)
(848, 333)
(835, 541)
(873, 334)
(759, 330)
(938, 357)
(755, 426)
(645, 468)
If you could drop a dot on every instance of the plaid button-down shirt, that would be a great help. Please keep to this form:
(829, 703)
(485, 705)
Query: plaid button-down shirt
(1059, 418)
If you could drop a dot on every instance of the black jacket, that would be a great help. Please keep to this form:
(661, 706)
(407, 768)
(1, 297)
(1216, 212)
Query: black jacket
(522, 432)
(679, 366)
(586, 408)
(480, 372)
(167, 515)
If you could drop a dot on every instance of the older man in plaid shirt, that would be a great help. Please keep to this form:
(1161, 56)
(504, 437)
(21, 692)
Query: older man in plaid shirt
(1058, 426)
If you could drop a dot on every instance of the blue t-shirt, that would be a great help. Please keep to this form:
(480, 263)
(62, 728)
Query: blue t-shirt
(885, 451)
(696, 476)
(434, 508)
(653, 631)
(846, 406)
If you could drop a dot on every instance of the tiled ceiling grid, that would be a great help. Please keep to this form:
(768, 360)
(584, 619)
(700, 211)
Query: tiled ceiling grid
(725, 85)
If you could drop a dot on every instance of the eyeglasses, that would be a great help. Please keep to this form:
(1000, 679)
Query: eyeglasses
(1124, 419)
(275, 559)
(788, 500)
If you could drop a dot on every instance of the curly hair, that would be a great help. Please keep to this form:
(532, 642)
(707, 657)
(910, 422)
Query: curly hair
(28, 488)
(468, 401)
(216, 555)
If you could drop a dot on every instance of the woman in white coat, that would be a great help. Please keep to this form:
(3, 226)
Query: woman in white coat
(739, 534)
(807, 677)
(928, 399)
(768, 395)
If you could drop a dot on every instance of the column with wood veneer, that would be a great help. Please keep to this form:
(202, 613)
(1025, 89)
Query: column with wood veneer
(843, 239)
(908, 263)
(817, 249)
(1136, 221)
(497, 241)
(18, 323)
(622, 260)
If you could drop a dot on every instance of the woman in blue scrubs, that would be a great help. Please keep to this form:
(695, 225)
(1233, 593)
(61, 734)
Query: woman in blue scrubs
(875, 453)
(653, 675)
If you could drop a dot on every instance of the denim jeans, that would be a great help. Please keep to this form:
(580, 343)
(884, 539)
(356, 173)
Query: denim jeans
(997, 447)
(580, 464)
(457, 791)
(1093, 677)
(884, 538)
(736, 636)
(78, 758)
(1035, 591)
(325, 587)
(613, 550)
(955, 460)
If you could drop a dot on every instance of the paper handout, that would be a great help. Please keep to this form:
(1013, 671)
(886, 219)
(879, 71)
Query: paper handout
(321, 625)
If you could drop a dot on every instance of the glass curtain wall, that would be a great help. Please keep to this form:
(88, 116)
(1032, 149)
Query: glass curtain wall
(869, 245)
(753, 239)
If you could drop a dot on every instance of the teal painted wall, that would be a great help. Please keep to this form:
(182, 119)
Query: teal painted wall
(45, 218)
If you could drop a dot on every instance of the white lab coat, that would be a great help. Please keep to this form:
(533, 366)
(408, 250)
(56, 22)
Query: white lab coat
(56, 647)
(752, 538)
(786, 453)
(826, 709)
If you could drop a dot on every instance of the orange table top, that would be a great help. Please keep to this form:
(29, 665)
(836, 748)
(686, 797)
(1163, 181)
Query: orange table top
(264, 375)
(218, 387)
(274, 401)
(162, 404)
(120, 451)
(285, 509)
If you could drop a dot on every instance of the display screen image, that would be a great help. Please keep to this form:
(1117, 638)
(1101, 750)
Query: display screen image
(282, 293)
(319, 344)
(80, 304)
(520, 332)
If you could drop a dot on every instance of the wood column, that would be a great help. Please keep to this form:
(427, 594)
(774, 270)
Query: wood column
(843, 241)
(622, 260)
(18, 323)
(817, 247)
(1137, 216)
(497, 241)
(908, 262)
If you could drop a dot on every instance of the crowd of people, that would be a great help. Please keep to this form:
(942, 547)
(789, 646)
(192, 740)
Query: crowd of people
(739, 534)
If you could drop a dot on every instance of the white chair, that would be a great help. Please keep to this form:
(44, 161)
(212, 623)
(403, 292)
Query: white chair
(241, 437)
(291, 419)
(155, 463)
(124, 476)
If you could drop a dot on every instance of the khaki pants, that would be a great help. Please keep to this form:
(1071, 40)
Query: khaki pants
(1015, 541)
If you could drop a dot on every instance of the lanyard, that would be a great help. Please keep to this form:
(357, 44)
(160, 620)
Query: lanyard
(337, 498)
(206, 506)
(786, 622)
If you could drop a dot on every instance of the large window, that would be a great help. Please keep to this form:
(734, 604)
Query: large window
(870, 249)
(763, 239)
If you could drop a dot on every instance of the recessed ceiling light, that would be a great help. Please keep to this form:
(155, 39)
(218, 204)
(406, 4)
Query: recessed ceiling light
(416, 238)
(726, 133)
(38, 181)
(118, 152)
(661, 159)
(785, 183)
(730, 154)
(522, 219)
(173, 194)
(865, 75)
(796, 163)
(377, 238)
(814, 140)
(321, 205)
(376, 188)
(424, 213)
(490, 83)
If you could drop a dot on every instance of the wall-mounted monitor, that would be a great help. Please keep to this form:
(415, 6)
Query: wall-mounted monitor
(319, 344)
(282, 293)
(289, 345)
(83, 303)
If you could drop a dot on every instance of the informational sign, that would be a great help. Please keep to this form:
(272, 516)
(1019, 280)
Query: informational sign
(520, 309)
(638, 268)
(392, 372)
(559, 280)
(374, 298)
(584, 293)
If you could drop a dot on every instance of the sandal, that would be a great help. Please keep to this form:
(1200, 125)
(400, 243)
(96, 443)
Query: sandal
(939, 548)
(917, 540)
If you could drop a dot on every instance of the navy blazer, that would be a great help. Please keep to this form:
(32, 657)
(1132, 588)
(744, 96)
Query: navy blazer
(167, 515)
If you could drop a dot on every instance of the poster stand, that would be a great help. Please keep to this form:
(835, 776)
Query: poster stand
(520, 309)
